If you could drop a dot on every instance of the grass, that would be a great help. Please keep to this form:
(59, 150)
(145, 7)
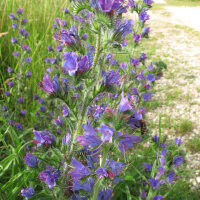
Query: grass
(184, 127)
(173, 94)
(39, 25)
(193, 144)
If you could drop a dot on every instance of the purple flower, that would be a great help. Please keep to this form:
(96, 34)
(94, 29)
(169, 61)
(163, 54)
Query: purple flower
(26, 47)
(147, 96)
(160, 197)
(155, 138)
(14, 25)
(12, 16)
(23, 22)
(65, 10)
(70, 64)
(116, 167)
(20, 11)
(163, 152)
(177, 161)
(107, 132)
(7, 93)
(43, 137)
(124, 104)
(50, 177)
(50, 48)
(28, 192)
(144, 17)
(134, 90)
(4, 108)
(105, 5)
(177, 141)
(136, 37)
(105, 194)
(143, 56)
(170, 177)
(131, 3)
(86, 185)
(23, 112)
(150, 78)
(30, 160)
(161, 171)
(150, 67)
(134, 62)
(134, 120)
(148, 2)
(10, 70)
(28, 59)
(58, 121)
(48, 85)
(101, 172)
(66, 139)
(19, 126)
(154, 183)
(35, 96)
(14, 40)
(145, 31)
(79, 170)
(22, 31)
(65, 111)
(162, 160)
(15, 54)
(84, 36)
(28, 73)
(41, 101)
(148, 167)
(110, 77)
(42, 108)
(10, 83)
(127, 142)
(143, 195)
(123, 65)
(83, 64)
(125, 28)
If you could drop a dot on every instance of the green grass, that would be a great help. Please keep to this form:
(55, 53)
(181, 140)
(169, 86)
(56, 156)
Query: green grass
(41, 16)
(183, 3)
(184, 127)
(193, 145)
(173, 94)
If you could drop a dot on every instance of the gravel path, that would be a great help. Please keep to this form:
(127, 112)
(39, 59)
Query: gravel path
(179, 47)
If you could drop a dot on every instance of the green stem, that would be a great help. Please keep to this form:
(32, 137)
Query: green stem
(98, 182)
(98, 40)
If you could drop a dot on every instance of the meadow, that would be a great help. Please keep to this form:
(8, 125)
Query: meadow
(17, 171)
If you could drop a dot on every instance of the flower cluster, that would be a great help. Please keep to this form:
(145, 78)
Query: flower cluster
(90, 121)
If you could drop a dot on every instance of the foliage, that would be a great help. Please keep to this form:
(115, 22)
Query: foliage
(90, 139)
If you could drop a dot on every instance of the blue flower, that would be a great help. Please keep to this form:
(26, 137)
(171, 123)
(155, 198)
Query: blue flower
(30, 160)
(160, 197)
(148, 167)
(177, 161)
(144, 17)
(107, 132)
(178, 141)
(154, 182)
(50, 177)
(116, 167)
(70, 64)
(147, 96)
(170, 177)
(105, 194)
(86, 185)
(101, 172)
(136, 37)
(28, 192)
(43, 137)
(110, 77)
(127, 142)
(79, 170)
(124, 104)
(150, 78)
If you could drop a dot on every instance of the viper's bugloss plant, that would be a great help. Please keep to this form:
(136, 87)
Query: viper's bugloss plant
(90, 133)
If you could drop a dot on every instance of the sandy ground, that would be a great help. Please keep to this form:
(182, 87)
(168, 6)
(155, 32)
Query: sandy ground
(188, 16)
(180, 49)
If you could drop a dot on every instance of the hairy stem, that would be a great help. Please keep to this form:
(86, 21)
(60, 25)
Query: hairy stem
(97, 53)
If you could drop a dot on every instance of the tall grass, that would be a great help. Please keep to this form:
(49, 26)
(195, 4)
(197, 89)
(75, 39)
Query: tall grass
(41, 14)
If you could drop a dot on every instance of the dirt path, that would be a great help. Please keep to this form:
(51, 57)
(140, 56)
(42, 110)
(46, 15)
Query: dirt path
(178, 99)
